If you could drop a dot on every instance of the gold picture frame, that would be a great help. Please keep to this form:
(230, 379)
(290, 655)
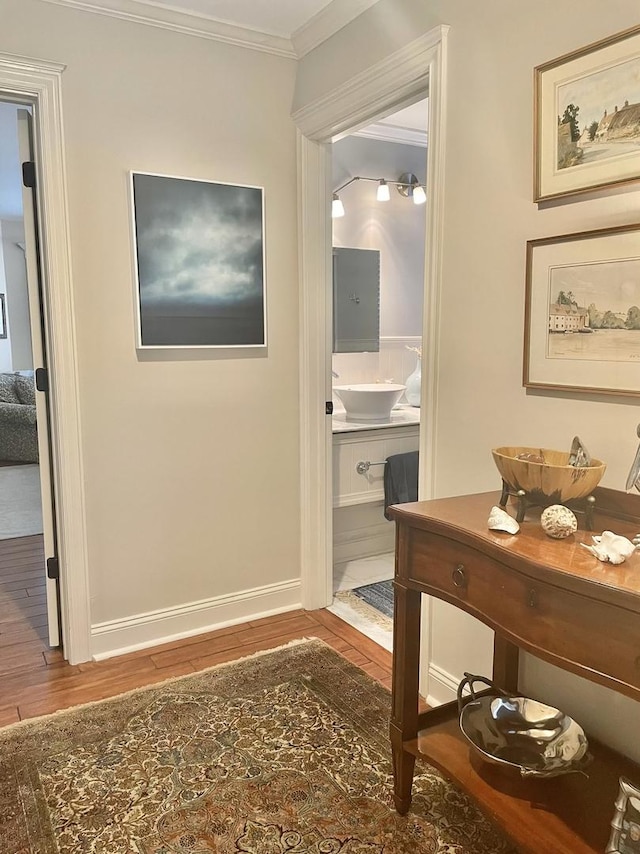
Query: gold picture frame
(582, 312)
(587, 118)
(625, 825)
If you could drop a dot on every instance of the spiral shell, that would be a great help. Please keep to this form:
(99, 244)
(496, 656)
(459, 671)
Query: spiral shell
(558, 521)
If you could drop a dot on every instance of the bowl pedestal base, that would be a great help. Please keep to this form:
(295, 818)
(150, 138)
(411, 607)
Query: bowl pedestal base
(583, 506)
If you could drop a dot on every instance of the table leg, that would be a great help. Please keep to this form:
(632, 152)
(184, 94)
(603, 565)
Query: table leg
(404, 697)
(403, 767)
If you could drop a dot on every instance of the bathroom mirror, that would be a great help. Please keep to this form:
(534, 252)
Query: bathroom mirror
(356, 300)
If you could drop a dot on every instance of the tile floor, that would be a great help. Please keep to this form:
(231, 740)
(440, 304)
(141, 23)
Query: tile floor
(357, 573)
(351, 609)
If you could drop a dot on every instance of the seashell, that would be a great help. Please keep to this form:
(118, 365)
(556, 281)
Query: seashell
(578, 455)
(558, 521)
(531, 457)
(610, 547)
(499, 520)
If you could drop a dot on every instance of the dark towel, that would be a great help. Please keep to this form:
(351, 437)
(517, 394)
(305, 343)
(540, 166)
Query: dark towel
(400, 480)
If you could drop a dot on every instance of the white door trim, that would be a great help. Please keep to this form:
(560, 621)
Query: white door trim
(392, 83)
(39, 83)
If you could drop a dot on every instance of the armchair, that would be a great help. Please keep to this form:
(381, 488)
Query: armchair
(18, 430)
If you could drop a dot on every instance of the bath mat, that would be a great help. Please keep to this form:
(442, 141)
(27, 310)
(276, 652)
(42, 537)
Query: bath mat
(378, 595)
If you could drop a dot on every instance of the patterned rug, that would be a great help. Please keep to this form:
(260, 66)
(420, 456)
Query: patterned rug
(283, 753)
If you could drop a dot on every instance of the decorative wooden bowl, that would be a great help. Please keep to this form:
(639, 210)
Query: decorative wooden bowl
(552, 481)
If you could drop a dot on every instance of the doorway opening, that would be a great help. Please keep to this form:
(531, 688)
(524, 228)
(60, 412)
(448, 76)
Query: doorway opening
(38, 83)
(378, 240)
(399, 80)
(29, 613)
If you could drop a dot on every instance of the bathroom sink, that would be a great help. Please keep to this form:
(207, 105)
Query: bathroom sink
(369, 401)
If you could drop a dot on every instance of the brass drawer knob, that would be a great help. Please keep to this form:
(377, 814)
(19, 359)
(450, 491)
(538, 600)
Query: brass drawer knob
(458, 577)
(532, 599)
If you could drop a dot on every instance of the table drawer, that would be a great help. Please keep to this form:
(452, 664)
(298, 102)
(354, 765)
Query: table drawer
(559, 625)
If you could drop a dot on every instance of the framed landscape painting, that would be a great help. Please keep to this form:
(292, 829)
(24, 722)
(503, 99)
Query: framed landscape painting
(199, 263)
(582, 312)
(587, 118)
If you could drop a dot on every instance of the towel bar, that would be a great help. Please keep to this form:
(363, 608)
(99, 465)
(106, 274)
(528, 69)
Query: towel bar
(364, 465)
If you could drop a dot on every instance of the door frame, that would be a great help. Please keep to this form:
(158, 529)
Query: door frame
(392, 83)
(38, 82)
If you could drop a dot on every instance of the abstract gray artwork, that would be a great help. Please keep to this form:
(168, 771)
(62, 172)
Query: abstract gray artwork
(199, 251)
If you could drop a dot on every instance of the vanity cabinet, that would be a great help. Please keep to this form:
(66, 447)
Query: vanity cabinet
(360, 529)
(373, 446)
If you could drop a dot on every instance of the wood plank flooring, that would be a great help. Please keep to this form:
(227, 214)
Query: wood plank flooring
(35, 680)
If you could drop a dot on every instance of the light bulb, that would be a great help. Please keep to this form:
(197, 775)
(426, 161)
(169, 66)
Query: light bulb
(419, 195)
(383, 194)
(337, 208)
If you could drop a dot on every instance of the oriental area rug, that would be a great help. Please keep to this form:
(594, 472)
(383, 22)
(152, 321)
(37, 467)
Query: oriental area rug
(286, 752)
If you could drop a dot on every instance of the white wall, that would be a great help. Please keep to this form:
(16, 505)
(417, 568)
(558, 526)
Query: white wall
(5, 343)
(10, 173)
(191, 460)
(396, 227)
(489, 216)
(13, 356)
(17, 296)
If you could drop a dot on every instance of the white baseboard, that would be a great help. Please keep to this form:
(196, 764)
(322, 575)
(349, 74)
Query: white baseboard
(166, 625)
(442, 686)
(363, 542)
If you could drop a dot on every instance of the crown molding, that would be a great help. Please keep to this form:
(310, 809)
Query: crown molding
(186, 23)
(326, 22)
(390, 133)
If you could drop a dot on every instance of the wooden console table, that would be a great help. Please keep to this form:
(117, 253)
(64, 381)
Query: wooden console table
(551, 598)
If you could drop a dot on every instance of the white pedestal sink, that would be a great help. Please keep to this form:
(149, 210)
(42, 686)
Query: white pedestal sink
(369, 401)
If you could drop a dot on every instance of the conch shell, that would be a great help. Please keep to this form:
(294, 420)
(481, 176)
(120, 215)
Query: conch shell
(610, 547)
(499, 520)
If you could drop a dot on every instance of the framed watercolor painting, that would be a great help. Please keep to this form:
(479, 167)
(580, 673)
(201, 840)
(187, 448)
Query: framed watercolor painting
(582, 312)
(199, 263)
(587, 118)
(625, 826)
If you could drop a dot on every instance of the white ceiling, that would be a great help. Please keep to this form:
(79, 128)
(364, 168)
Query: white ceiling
(409, 126)
(415, 117)
(278, 17)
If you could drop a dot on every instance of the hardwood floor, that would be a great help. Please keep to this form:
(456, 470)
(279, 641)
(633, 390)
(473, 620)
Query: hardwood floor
(35, 680)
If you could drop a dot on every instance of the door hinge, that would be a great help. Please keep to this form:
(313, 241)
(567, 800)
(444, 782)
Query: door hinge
(29, 174)
(328, 407)
(42, 379)
(53, 568)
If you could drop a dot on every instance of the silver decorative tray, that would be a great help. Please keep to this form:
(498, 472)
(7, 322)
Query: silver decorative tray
(520, 734)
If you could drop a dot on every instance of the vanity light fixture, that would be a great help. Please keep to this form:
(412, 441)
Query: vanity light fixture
(419, 195)
(383, 194)
(407, 185)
